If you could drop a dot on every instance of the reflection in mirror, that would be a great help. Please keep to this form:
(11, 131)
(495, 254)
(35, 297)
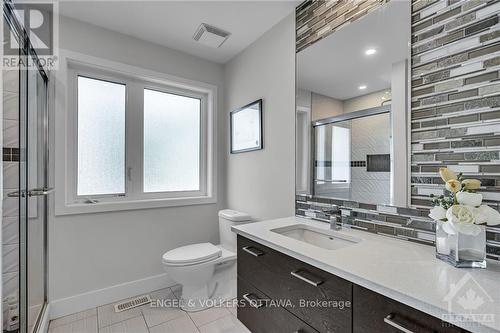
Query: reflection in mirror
(353, 160)
(352, 111)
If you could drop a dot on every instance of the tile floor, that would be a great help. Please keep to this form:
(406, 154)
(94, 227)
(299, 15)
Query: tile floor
(147, 319)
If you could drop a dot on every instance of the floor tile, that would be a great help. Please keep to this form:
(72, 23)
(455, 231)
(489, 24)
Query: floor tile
(134, 325)
(73, 317)
(232, 306)
(107, 315)
(87, 325)
(178, 325)
(164, 307)
(227, 324)
(204, 317)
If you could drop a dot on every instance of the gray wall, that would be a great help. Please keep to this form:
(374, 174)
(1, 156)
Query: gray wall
(263, 182)
(93, 251)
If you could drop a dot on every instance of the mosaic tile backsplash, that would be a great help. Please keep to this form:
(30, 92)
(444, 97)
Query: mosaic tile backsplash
(455, 109)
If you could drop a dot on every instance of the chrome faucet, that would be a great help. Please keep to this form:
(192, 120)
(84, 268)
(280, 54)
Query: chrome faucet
(334, 218)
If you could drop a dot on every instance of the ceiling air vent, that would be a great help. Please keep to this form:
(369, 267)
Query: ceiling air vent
(210, 35)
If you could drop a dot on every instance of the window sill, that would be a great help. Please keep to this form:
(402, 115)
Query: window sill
(100, 207)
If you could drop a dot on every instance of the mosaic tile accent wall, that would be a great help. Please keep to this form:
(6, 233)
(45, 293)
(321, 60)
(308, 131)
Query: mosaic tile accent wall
(316, 19)
(396, 222)
(455, 109)
(455, 116)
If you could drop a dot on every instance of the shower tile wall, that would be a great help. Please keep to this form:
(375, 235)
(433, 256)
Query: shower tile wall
(10, 211)
(455, 95)
(370, 136)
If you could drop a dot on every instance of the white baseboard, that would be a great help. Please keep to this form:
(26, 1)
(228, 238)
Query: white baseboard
(65, 306)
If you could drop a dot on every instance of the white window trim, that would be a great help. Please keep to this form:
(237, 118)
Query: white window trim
(72, 63)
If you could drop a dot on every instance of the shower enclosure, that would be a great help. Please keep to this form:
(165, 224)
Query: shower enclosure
(25, 187)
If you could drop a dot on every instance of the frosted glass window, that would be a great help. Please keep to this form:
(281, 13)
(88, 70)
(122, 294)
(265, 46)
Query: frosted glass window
(341, 154)
(171, 142)
(101, 137)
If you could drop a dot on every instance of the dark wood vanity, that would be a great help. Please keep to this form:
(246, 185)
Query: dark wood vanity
(278, 293)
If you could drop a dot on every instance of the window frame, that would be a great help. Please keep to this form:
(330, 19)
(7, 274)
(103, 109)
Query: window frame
(203, 148)
(135, 80)
(73, 98)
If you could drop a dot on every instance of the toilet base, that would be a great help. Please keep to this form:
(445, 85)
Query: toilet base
(220, 289)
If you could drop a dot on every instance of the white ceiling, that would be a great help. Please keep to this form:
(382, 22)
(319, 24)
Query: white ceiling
(337, 65)
(173, 23)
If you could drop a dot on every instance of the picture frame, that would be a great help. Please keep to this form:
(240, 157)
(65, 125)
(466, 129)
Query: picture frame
(246, 130)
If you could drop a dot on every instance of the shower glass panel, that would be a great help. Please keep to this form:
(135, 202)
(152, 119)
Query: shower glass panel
(25, 154)
(333, 160)
(353, 158)
(36, 132)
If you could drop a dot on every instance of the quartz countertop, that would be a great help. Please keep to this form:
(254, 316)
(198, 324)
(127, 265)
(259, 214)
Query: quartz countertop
(404, 271)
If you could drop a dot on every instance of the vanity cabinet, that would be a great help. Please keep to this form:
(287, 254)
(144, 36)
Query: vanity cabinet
(260, 316)
(318, 298)
(283, 294)
(373, 312)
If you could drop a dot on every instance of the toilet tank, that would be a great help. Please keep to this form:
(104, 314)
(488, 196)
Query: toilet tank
(228, 218)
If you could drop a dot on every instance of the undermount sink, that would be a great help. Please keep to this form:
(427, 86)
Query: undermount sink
(325, 239)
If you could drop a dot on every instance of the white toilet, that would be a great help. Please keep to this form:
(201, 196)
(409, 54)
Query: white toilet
(207, 272)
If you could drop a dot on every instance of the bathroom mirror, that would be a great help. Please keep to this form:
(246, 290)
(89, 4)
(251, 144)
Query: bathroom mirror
(352, 111)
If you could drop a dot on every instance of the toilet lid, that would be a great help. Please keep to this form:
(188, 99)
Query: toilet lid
(191, 254)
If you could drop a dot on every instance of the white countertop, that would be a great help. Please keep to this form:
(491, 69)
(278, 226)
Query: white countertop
(404, 271)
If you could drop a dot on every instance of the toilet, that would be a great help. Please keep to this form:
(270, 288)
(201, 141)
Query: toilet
(207, 272)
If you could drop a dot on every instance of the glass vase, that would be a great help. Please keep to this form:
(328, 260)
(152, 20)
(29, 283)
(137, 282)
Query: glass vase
(461, 250)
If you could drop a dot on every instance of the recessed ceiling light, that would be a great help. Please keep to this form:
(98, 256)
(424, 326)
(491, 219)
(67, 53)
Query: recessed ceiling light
(363, 87)
(370, 52)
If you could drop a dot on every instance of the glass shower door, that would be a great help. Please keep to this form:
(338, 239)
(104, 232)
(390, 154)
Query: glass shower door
(35, 132)
(26, 149)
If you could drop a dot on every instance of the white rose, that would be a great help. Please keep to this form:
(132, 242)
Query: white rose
(488, 215)
(469, 199)
(437, 213)
(463, 218)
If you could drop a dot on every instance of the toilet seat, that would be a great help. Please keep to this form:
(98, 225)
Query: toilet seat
(191, 254)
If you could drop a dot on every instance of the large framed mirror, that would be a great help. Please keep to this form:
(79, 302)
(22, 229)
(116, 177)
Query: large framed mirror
(389, 92)
(352, 111)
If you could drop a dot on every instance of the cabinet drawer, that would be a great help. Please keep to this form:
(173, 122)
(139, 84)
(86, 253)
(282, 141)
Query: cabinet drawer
(265, 317)
(374, 313)
(319, 298)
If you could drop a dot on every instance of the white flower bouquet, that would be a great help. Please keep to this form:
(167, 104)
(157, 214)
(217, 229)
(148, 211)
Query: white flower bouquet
(462, 211)
(460, 221)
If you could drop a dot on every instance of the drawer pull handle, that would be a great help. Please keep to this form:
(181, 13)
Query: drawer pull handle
(390, 321)
(253, 302)
(313, 282)
(253, 251)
